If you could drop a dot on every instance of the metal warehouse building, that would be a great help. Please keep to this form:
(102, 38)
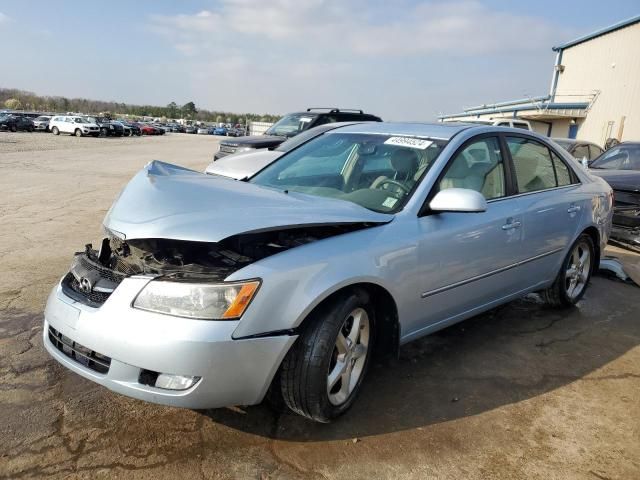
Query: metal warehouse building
(594, 94)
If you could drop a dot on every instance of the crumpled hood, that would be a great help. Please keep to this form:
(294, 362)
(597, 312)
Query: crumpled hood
(243, 165)
(168, 201)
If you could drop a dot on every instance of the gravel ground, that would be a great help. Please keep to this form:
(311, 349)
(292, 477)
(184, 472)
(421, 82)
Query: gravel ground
(519, 392)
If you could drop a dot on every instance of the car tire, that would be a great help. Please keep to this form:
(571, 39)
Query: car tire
(573, 278)
(321, 375)
(13, 128)
(78, 132)
(31, 129)
(55, 131)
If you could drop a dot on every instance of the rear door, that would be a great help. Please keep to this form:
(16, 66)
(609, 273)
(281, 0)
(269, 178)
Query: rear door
(552, 202)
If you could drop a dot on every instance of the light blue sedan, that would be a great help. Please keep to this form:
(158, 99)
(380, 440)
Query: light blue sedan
(209, 292)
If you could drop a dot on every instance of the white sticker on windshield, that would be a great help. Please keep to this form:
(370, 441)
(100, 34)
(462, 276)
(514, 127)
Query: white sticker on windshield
(409, 142)
(389, 202)
(305, 119)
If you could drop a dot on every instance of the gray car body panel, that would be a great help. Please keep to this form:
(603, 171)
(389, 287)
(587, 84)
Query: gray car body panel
(437, 268)
(243, 165)
(168, 201)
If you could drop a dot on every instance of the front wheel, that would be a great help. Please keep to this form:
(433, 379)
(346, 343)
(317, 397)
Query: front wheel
(323, 372)
(78, 132)
(55, 131)
(574, 275)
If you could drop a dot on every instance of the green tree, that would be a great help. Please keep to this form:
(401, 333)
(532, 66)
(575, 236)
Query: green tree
(13, 104)
(189, 109)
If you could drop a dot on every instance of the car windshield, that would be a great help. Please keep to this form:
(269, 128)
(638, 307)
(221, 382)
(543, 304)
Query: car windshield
(304, 137)
(625, 157)
(42, 119)
(378, 172)
(291, 125)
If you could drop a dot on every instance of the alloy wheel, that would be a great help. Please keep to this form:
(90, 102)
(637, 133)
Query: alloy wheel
(578, 269)
(349, 356)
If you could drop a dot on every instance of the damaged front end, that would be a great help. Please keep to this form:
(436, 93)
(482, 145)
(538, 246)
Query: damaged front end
(626, 219)
(95, 274)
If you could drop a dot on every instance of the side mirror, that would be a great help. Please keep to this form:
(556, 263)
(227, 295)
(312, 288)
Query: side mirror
(458, 200)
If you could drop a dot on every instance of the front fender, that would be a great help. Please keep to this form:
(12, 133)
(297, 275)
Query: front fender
(296, 281)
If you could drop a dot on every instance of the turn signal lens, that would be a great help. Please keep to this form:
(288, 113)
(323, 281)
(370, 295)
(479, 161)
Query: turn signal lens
(242, 300)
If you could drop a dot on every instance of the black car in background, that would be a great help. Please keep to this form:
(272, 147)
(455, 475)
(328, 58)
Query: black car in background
(16, 122)
(580, 149)
(291, 125)
(107, 128)
(620, 168)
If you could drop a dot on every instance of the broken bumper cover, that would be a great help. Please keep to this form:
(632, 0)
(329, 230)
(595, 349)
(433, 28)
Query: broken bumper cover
(134, 342)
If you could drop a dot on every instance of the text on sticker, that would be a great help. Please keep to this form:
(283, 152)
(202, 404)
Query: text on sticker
(410, 142)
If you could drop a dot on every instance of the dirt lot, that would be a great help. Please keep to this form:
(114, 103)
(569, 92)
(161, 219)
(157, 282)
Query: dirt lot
(520, 392)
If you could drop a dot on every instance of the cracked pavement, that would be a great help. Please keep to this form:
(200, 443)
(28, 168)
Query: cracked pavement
(519, 392)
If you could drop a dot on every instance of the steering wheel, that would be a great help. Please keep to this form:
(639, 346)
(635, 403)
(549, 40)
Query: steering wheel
(387, 181)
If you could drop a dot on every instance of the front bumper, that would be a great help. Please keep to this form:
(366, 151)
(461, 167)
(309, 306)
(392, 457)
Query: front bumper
(233, 372)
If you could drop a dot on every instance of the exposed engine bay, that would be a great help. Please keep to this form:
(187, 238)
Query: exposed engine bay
(95, 274)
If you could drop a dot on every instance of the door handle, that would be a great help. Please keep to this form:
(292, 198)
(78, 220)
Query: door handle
(573, 209)
(511, 225)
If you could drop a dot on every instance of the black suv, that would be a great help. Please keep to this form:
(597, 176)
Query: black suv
(15, 123)
(107, 128)
(291, 125)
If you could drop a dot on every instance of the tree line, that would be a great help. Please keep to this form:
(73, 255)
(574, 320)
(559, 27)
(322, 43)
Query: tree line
(15, 99)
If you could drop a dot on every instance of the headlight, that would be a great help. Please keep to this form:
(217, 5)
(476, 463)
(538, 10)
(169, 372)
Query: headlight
(204, 301)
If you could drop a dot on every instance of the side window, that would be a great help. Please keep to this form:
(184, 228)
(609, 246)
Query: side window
(595, 152)
(325, 119)
(533, 165)
(562, 171)
(521, 125)
(581, 151)
(503, 124)
(479, 167)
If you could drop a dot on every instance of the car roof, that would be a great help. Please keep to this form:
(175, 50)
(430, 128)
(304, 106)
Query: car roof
(444, 131)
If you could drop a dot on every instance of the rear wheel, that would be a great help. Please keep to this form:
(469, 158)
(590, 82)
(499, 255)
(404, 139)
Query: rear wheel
(78, 132)
(323, 372)
(574, 275)
(14, 128)
(55, 131)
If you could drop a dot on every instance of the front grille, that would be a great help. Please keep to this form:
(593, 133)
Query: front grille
(71, 288)
(81, 354)
(102, 281)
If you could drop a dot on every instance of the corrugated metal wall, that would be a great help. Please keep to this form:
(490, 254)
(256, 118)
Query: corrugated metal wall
(611, 64)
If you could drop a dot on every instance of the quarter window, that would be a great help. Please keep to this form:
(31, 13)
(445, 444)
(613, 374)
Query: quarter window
(562, 171)
(478, 167)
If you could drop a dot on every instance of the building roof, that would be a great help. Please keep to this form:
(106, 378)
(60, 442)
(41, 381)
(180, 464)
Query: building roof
(598, 33)
(518, 106)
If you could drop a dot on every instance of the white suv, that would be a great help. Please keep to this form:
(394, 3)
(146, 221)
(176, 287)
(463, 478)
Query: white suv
(503, 122)
(73, 125)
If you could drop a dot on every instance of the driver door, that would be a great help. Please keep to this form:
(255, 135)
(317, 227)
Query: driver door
(468, 261)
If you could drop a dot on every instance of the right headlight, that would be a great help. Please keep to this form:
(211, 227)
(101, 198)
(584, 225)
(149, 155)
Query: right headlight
(203, 301)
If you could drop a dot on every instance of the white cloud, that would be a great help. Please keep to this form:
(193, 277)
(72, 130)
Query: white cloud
(272, 56)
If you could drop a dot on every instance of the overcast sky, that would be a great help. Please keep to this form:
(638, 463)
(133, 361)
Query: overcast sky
(403, 60)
